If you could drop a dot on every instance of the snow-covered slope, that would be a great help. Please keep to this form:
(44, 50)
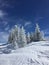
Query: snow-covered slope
(36, 53)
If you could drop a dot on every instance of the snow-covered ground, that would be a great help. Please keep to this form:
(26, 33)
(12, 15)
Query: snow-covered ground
(35, 53)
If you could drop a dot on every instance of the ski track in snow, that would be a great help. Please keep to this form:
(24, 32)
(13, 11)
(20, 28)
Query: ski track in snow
(36, 53)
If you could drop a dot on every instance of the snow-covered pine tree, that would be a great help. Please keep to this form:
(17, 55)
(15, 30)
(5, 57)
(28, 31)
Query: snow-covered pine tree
(11, 38)
(31, 36)
(14, 37)
(17, 35)
(28, 37)
(37, 36)
(23, 40)
(42, 36)
(37, 29)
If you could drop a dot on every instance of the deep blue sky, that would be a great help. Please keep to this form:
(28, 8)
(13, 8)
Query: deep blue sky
(24, 12)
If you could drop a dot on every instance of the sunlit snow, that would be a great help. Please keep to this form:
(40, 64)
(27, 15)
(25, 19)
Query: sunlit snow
(35, 53)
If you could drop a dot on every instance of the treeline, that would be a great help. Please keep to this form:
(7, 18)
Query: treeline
(19, 38)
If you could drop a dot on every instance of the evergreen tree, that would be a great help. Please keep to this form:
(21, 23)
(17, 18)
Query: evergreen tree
(42, 36)
(28, 37)
(14, 37)
(18, 37)
(17, 34)
(23, 40)
(31, 36)
(37, 35)
(11, 38)
(37, 29)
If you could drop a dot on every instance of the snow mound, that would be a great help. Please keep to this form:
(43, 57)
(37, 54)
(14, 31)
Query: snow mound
(36, 53)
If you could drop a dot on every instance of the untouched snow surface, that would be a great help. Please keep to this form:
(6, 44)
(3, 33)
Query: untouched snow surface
(35, 53)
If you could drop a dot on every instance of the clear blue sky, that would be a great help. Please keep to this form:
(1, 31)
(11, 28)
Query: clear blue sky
(23, 12)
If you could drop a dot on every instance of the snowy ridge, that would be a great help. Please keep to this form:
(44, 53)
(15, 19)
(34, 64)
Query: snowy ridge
(36, 53)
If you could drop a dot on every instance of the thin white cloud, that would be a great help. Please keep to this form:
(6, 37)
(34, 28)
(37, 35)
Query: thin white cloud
(46, 34)
(7, 28)
(38, 18)
(5, 23)
(27, 23)
(46, 31)
(47, 38)
(3, 37)
(2, 14)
